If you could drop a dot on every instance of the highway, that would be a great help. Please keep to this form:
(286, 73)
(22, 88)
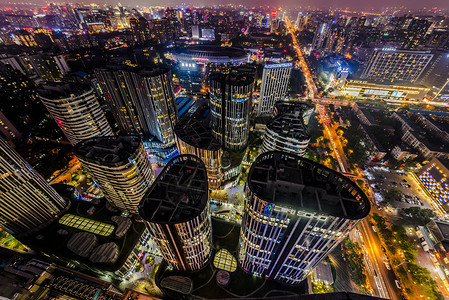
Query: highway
(312, 90)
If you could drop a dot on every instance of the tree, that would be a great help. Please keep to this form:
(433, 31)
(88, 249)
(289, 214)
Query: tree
(391, 195)
(418, 215)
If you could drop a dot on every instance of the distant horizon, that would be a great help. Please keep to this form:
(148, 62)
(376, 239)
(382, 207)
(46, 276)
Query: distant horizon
(375, 6)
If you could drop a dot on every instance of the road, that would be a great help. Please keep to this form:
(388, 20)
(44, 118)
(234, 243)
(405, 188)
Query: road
(312, 90)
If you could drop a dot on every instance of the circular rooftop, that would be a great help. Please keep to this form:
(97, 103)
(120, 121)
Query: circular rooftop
(295, 182)
(193, 133)
(211, 53)
(108, 150)
(179, 194)
(237, 79)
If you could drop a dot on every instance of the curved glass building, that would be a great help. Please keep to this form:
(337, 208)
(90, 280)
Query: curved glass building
(27, 202)
(120, 166)
(177, 213)
(296, 211)
(230, 104)
(76, 111)
(193, 138)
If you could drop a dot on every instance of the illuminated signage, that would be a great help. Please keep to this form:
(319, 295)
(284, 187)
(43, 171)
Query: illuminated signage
(279, 66)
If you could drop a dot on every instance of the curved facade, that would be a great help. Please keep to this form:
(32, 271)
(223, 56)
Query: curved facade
(120, 166)
(177, 213)
(193, 138)
(141, 100)
(76, 111)
(296, 213)
(27, 201)
(286, 133)
(230, 104)
(211, 54)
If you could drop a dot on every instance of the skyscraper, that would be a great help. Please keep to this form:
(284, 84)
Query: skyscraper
(120, 166)
(177, 213)
(76, 110)
(288, 133)
(275, 80)
(230, 102)
(142, 101)
(27, 202)
(296, 212)
(303, 108)
(391, 65)
(193, 138)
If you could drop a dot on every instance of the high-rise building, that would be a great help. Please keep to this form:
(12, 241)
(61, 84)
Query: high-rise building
(196, 31)
(433, 176)
(142, 101)
(27, 202)
(193, 138)
(392, 65)
(296, 212)
(76, 110)
(275, 81)
(436, 74)
(177, 213)
(293, 107)
(230, 102)
(47, 67)
(7, 129)
(288, 133)
(120, 166)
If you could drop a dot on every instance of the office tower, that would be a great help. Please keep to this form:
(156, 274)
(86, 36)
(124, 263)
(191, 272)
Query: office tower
(415, 33)
(177, 213)
(296, 212)
(120, 166)
(142, 101)
(196, 31)
(320, 36)
(288, 133)
(391, 65)
(47, 67)
(28, 203)
(193, 138)
(140, 29)
(76, 110)
(436, 74)
(275, 80)
(303, 108)
(230, 103)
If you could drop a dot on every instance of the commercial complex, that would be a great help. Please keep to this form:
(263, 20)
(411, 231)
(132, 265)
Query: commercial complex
(389, 65)
(141, 100)
(296, 212)
(120, 166)
(177, 213)
(275, 81)
(193, 138)
(230, 103)
(27, 201)
(288, 133)
(76, 110)
(433, 176)
(367, 89)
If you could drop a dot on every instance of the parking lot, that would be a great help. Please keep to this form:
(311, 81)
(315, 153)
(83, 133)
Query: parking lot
(382, 180)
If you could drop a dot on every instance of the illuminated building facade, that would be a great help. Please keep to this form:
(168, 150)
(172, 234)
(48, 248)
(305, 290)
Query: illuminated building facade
(177, 213)
(365, 89)
(76, 111)
(296, 212)
(120, 166)
(193, 138)
(288, 133)
(28, 203)
(391, 65)
(142, 101)
(434, 178)
(275, 80)
(230, 103)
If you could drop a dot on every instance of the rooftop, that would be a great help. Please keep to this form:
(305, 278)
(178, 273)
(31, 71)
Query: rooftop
(289, 126)
(179, 194)
(292, 107)
(292, 181)
(109, 150)
(193, 133)
(233, 79)
(211, 52)
(61, 90)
